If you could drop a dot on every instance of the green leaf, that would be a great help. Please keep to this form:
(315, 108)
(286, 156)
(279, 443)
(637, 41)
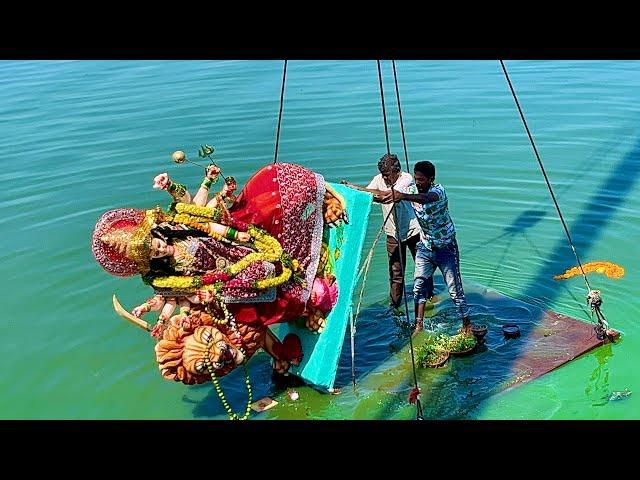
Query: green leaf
(207, 149)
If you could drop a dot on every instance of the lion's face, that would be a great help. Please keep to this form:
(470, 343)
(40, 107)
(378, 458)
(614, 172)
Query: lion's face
(209, 341)
(182, 351)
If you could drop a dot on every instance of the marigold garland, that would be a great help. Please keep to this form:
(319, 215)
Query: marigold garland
(191, 218)
(269, 250)
(274, 281)
(203, 227)
(197, 211)
(610, 269)
(176, 282)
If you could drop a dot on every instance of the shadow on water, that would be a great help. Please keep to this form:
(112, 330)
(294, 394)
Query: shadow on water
(587, 227)
(520, 225)
(519, 229)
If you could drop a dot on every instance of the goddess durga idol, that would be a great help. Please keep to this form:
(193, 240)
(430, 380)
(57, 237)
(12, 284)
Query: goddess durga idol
(223, 269)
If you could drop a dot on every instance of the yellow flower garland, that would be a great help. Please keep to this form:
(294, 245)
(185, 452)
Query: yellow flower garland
(176, 282)
(269, 250)
(275, 281)
(197, 211)
(192, 222)
(191, 218)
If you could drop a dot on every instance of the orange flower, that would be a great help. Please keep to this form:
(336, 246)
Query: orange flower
(610, 269)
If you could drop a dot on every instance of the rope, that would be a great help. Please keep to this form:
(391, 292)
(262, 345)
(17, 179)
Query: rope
(384, 110)
(404, 140)
(593, 296)
(284, 76)
(419, 414)
(367, 262)
(352, 328)
(365, 268)
(546, 178)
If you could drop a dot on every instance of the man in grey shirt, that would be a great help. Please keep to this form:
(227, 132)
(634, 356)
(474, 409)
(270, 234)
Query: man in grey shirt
(409, 228)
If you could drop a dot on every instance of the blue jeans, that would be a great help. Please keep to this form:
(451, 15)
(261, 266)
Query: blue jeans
(447, 259)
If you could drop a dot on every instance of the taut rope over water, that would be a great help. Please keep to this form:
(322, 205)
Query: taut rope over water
(284, 77)
(419, 414)
(593, 296)
(404, 140)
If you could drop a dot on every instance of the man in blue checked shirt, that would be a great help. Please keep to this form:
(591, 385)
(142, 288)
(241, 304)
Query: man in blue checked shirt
(437, 246)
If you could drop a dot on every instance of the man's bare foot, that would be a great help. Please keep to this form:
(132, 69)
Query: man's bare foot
(418, 327)
(466, 327)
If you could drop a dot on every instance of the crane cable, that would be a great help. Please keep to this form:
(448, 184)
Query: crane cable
(594, 298)
(284, 77)
(419, 413)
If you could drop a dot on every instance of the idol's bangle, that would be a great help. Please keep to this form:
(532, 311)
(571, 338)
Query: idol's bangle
(177, 190)
(231, 233)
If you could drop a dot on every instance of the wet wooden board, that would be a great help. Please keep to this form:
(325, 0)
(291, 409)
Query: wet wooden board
(552, 341)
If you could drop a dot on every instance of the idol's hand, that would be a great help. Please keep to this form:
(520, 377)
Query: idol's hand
(161, 181)
(140, 310)
(212, 172)
(205, 296)
(243, 237)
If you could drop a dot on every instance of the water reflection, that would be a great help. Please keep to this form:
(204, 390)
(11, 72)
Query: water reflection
(597, 389)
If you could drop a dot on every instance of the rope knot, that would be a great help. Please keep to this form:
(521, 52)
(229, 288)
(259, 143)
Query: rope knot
(594, 300)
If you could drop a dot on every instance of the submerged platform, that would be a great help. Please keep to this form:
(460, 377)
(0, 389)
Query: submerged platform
(553, 340)
(384, 375)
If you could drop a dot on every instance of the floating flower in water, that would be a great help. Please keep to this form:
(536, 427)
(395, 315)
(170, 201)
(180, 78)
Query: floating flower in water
(414, 395)
(293, 395)
(610, 269)
(179, 156)
(619, 395)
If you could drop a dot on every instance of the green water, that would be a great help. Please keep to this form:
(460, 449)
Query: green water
(83, 137)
